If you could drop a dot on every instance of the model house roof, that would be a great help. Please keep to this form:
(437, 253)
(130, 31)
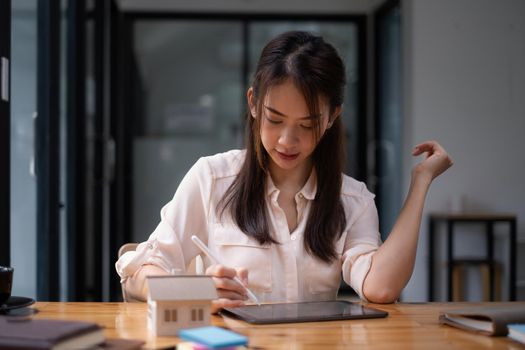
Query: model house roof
(173, 288)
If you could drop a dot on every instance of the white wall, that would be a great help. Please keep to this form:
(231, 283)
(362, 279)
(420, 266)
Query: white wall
(464, 69)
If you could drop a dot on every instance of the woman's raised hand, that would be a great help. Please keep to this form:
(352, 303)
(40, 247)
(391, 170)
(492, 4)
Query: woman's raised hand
(435, 163)
(229, 292)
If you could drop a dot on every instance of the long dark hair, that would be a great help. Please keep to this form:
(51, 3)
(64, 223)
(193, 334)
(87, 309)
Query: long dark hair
(316, 70)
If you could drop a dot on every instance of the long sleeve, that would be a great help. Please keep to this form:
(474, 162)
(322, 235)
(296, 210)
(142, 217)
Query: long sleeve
(169, 246)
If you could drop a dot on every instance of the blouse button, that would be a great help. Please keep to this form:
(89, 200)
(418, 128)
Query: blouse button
(293, 238)
(301, 195)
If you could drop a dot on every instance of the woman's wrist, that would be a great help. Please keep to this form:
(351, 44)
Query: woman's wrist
(421, 177)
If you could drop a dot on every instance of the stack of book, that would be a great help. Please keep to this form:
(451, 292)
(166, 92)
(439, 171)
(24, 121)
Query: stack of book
(18, 333)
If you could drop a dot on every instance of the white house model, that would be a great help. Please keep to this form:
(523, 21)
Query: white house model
(176, 302)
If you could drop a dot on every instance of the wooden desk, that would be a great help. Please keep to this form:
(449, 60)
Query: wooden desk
(408, 326)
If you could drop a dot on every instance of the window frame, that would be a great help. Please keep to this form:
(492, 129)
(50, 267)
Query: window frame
(5, 133)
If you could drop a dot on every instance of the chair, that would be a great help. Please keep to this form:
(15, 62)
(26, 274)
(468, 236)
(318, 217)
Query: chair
(127, 247)
(459, 273)
(196, 266)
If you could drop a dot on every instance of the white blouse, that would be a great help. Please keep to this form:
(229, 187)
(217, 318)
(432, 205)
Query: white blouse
(282, 272)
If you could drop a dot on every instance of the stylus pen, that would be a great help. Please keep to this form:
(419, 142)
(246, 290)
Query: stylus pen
(213, 258)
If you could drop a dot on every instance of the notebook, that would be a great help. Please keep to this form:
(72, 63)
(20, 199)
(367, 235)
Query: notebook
(491, 320)
(24, 333)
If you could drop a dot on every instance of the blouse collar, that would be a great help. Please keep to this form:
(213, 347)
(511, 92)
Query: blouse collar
(308, 191)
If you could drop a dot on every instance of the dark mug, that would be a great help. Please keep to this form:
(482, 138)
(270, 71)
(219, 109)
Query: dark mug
(6, 283)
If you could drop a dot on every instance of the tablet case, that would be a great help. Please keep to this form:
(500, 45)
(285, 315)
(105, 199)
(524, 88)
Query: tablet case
(314, 311)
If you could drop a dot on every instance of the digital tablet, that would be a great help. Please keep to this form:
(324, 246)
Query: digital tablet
(314, 311)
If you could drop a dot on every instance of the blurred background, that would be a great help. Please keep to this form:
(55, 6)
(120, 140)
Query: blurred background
(108, 103)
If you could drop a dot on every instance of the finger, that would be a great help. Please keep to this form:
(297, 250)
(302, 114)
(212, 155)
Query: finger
(221, 271)
(226, 283)
(229, 294)
(218, 304)
(418, 150)
(430, 147)
(422, 148)
(242, 273)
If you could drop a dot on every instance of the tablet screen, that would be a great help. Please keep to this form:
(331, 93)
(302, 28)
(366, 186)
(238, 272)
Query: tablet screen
(303, 312)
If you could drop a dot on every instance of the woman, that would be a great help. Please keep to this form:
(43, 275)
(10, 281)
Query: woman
(281, 215)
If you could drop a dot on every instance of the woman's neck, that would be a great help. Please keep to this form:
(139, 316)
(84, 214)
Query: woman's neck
(293, 179)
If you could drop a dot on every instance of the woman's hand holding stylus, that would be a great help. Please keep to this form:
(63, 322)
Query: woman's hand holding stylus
(230, 293)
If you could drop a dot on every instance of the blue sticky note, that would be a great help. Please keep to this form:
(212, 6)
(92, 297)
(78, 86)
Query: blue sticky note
(517, 332)
(213, 337)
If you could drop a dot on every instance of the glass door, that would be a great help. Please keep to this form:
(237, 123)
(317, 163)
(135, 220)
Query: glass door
(191, 88)
(22, 131)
